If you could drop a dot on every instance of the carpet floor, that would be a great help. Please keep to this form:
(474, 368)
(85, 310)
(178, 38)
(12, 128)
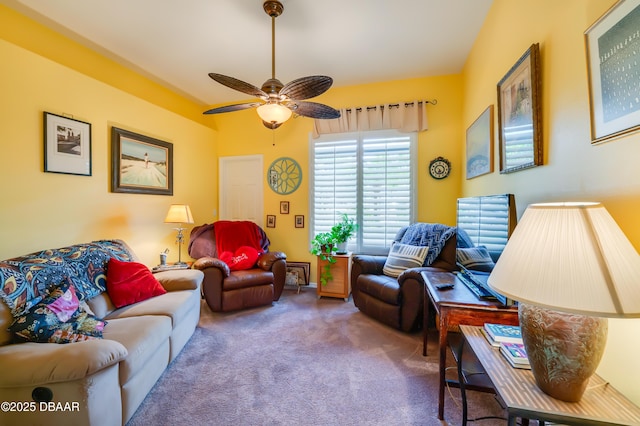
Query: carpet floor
(304, 361)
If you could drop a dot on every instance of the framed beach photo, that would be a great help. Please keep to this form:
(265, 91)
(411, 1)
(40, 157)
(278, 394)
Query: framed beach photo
(480, 145)
(613, 65)
(519, 126)
(67, 145)
(140, 164)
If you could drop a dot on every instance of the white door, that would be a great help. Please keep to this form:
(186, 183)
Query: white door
(241, 188)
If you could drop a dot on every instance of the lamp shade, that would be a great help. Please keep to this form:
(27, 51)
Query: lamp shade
(570, 257)
(274, 113)
(179, 213)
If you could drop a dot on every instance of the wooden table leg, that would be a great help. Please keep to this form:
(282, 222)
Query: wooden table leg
(444, 324)
(425, 321)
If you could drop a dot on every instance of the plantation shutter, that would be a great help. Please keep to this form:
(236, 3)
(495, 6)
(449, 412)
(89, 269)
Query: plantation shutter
(368, 176)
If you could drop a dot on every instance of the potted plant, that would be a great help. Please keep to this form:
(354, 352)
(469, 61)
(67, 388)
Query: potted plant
(326, 244)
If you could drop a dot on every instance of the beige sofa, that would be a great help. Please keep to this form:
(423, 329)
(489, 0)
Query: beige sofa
(101, 381)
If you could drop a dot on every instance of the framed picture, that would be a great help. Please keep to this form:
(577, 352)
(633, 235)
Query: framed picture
(612, 43)
(519, 114)
(284, 207)
(140, 164)
(480, 145)
(67, 145)
(271, 221)
(301, 269)
(299, 221)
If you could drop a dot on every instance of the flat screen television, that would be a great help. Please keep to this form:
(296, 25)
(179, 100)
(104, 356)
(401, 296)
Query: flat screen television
(484, 225)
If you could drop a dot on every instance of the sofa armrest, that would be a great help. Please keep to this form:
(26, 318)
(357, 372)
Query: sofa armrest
(266, 260)
(180, 279)
(212, 262)
(33, 364)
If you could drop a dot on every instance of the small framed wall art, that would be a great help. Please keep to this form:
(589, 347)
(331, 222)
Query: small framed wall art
(480, 145)
(140, 164)
(519, 126)
(67, 145)
(299, 221)
(612, 45)
(271, 221)
(284, 207)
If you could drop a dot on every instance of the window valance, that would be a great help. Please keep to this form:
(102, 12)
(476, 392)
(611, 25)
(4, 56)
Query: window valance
(403, 116)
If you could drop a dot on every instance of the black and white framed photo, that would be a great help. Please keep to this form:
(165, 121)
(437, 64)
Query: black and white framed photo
(613, 65)
(140, 164)
(67, 145)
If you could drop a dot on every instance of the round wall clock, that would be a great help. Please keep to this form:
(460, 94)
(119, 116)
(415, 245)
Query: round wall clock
(284, 175)
(439, 168)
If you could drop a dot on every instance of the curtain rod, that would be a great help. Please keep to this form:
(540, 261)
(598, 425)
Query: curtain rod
(432, 102)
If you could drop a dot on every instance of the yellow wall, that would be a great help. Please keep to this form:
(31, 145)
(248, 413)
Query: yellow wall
(573, 168)
(242, 133)
(46, 210)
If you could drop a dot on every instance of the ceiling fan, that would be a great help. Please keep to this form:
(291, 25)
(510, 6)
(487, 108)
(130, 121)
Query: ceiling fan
(279, 101)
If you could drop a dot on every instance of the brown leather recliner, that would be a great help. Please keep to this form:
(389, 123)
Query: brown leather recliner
(225, 290)
(397, 302)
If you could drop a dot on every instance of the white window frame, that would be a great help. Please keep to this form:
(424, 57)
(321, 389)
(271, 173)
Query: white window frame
(356, 244)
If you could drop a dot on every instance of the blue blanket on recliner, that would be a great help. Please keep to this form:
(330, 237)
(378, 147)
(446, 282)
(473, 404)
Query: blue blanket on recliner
(432, 235)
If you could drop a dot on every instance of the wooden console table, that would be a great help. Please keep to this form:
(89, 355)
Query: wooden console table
(455, 307)
(601, 403)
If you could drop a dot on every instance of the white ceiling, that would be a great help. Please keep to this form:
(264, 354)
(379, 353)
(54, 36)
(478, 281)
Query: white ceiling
(177, 43)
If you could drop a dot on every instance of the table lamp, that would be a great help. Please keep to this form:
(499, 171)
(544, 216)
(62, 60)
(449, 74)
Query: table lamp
(179, 213)
(570, 267)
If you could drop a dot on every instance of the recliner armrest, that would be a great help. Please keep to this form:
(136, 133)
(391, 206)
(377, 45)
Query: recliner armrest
(212, 262)
(266, 260)
(368, 264)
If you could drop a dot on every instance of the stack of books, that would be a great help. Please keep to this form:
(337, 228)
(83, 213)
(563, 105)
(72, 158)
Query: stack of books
(509, 339)
(515, 354)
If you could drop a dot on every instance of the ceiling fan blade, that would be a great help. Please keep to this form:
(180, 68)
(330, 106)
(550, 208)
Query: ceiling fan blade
(314, 110)
(307, 87)
(231, 108)
(238, 85)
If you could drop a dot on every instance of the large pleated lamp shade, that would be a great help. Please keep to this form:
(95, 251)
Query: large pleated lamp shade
(570, 267)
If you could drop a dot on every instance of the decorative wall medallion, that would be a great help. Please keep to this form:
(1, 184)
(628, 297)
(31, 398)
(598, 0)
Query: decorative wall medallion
(439, 168)
(284, 175)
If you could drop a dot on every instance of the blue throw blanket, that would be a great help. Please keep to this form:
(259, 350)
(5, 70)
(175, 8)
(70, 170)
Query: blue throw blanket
(432, 235)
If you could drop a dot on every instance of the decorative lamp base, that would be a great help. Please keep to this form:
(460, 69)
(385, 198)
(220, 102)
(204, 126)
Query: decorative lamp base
(564, 349)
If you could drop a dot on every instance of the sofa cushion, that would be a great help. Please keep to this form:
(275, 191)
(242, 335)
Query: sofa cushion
(57, 319)
(402, 257)
(173, 304)
(131, 282)
(39, 363)
(141, 336)
(476, 258)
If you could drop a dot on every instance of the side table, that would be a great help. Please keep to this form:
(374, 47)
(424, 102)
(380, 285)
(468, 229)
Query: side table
(454, 307)
(340, 283)
(601, 403)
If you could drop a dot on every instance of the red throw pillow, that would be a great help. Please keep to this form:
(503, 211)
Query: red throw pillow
(131, 282)
(244, 258)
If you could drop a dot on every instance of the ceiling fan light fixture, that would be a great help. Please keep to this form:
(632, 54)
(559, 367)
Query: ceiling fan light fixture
(274, 113)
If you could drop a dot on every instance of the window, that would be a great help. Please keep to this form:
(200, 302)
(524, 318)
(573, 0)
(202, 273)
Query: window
(370, 177)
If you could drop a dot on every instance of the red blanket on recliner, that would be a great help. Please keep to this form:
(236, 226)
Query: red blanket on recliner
(205, 240)
(230, 235)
